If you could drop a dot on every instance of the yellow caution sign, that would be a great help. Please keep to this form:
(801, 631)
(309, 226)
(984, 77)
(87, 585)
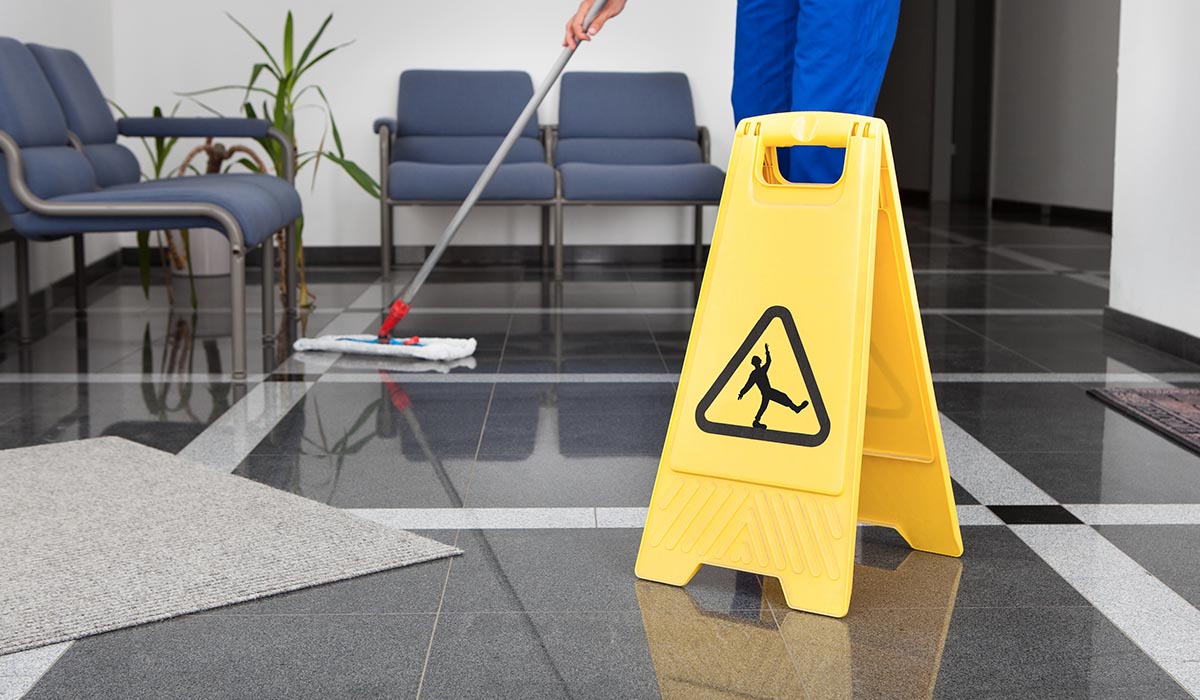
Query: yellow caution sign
(806, 403)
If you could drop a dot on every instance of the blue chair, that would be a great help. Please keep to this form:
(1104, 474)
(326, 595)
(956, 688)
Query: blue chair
(64, 174)
(448, 125)
(632, 139)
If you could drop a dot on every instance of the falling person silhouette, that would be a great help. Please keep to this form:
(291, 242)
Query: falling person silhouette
(758, 378)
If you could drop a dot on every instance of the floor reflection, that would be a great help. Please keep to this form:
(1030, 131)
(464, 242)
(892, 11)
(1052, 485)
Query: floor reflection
(890, 645)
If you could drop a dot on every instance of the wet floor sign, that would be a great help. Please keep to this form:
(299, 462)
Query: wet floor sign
(806, 404)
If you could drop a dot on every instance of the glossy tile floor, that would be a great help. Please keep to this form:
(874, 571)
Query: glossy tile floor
(537, 458)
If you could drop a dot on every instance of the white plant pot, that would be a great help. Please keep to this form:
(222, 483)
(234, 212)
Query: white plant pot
(208, 249)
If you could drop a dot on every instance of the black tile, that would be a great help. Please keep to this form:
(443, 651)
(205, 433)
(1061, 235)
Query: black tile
(540, 655)
(247, 656)
(1168, 552)
(1070, 344)
(1035, 515)
(1131, 465)
(1073, 257)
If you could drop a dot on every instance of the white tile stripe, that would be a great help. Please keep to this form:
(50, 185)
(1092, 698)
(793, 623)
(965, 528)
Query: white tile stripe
(119, 378)
(515, 378)
(1157, 619)
(20, 671)
(555, 518)
(1136, 513)
(226, 442)
(687, 310)
(985, 475)
(671, 378)
(607, 517)
(317, 363)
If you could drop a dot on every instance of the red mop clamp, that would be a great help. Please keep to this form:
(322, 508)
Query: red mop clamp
(398, 311)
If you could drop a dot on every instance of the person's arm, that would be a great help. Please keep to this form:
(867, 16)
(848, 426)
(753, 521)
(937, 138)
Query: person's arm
(768, 362)
(576, 32)
(749, 383)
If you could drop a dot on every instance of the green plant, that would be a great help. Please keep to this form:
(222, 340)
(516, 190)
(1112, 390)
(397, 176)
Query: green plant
(283, 95)
(158, 150)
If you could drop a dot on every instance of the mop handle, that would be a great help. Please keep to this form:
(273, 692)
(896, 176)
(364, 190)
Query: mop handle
(514, 133)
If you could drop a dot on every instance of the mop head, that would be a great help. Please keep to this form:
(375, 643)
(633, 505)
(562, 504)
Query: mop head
(442, 349)
(407, 365)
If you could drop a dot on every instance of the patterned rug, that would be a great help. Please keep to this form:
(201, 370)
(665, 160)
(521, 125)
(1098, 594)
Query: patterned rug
(1172, 412)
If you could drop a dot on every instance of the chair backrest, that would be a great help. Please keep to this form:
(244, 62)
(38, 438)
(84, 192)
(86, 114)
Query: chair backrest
(451, 116)
(31, 115)
(626, 118)
(88, 114)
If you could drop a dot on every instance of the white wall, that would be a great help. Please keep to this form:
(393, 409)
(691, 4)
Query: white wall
(1055, 93)
(85, 27)
(165, 46)
(1156, 240)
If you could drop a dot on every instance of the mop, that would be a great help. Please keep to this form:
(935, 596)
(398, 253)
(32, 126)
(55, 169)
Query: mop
(441, 349)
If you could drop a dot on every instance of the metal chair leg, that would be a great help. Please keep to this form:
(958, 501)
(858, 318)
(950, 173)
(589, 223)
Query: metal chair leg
(268, 289)
(237, 297)
(545, 236)
(291, 275)
(558, 241)
(698, 231)
(80, 273)
(385, 238)
(24, 326)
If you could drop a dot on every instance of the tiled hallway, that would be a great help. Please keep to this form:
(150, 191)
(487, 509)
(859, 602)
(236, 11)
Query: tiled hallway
(537, 458)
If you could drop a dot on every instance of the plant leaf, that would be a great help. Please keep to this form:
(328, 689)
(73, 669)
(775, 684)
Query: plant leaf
(143, 243)
(265, 50)
(249, 165)
(312, 43)
(287, 43)
(356, 173)
(186, 235)
(304, 69)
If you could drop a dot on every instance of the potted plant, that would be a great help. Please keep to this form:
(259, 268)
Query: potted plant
(189, 253)
(279, 82)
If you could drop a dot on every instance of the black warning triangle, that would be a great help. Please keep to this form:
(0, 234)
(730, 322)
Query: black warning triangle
(814, 393)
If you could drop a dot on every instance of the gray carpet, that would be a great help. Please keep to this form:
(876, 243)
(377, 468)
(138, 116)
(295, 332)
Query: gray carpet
(101, 534)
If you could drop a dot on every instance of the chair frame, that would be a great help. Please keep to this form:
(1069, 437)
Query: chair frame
(15, 165)
(555, 224)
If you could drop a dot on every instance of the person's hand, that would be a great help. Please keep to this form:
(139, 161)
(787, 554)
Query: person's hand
(576, 32)
(740, 396)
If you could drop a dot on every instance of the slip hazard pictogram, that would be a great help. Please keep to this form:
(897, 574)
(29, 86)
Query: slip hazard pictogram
(786, 403)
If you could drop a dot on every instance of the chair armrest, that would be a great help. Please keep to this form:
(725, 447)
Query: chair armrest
(202, 127)
(705, 141)
(381, 122)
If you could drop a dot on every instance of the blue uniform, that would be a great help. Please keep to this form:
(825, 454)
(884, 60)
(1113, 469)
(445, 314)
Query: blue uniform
(811, 55)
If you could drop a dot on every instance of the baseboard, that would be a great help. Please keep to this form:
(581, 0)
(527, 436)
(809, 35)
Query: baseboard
(1156, 335)
(474, 255)
(64, 288)
(1052, 214)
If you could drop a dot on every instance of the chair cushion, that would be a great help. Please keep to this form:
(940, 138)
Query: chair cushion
(262, 204)
(87, 114)
(627, 151)
(698, 182)
(461, 102)
(626, 105)
(464, 149)
(83, 104)
(31, 115)
(113, 164)
(409, 181)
